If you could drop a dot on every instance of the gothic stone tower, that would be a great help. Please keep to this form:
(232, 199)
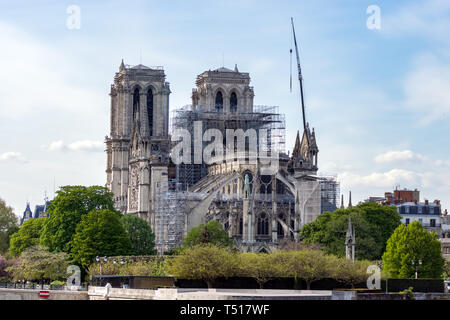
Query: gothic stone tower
(138, 146)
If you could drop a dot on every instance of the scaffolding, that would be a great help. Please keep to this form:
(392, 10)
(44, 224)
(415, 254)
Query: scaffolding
(169, 212)
(262, 117)
(330, 191)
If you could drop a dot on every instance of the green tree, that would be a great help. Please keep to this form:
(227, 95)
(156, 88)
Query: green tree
(3, 266)
(205, 262)
(8, 225)
(66, 210)
(100, 232)
(351, 272)
(373, 225)
(37, 263)
(309, 265)
(413, 243)
(141, 235)
(27, 236)
(211, 233)
(260, 266)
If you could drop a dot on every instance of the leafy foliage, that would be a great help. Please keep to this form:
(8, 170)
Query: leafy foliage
(36, 263)
(3, 266)
(373, 225)
(260, 266)
(310, 265)
(351, 272)
(66, 210)
(27, 236)
(8, 225)
(413, 243)
(100, 232)
(141, 235)
(205, 262)
(211, 233)
(155, 267)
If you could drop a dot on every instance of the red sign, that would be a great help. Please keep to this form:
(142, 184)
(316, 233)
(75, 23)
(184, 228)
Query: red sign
(44, 293)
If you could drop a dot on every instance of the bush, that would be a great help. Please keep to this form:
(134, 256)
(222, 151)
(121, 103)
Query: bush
(351, 272)
(154, 267)
(205, 262)
(260, 266)
(36, 263)
(309, 265)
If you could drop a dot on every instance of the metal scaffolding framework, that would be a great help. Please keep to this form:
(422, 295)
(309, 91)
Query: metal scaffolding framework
(330, 192)
(262, 117)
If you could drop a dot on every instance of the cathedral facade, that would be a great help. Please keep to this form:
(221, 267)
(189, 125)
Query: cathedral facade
(259, 197)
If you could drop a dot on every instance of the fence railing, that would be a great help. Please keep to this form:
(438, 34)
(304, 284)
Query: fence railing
(33, 286)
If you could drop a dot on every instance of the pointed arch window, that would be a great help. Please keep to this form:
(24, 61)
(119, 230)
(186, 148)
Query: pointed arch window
(263, 224)
(233, 102)
(150, 111)
(219, 101)
(136, 101)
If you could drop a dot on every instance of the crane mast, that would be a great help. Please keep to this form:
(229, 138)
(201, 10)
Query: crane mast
(300, 79)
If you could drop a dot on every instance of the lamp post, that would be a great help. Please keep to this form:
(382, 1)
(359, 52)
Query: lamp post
(416, 265)
(105, 259)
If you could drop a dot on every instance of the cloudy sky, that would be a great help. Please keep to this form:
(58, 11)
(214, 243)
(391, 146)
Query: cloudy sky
(379, 99)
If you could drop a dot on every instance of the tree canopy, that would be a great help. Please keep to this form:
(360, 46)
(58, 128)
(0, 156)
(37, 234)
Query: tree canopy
(260, 266)
(373, 225)
(307, 264)
(66, 210)
(8, 225)
(36, 263)
(27, 236)
(141, 235)
(413, 243)
(100, 232)
(206, 262)
(210, 233)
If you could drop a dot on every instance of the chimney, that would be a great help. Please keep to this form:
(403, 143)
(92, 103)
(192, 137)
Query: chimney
(415, 201)
(426, 202)
(437, 202)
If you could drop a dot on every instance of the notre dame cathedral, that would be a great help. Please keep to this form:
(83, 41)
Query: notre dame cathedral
(257, 205)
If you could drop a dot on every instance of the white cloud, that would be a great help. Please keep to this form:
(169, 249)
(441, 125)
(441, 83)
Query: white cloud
(408, 157)
(56, 145)
(399, 156)
(427, 86)
(81, 145)
(381, 179)
(86, 145)
(11, 155)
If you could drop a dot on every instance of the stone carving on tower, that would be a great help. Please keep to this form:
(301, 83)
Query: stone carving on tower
(138, 144)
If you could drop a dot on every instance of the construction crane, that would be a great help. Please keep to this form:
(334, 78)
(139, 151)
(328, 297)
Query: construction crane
(300, 78)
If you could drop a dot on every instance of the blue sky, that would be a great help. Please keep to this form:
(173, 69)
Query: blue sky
(379, 99)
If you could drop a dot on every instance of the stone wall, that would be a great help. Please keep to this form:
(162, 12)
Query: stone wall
(28, 294)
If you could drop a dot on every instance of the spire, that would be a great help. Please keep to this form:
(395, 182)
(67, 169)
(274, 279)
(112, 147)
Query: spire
(296, 152)
(349, 234)
(350, 200)
(350, 241)
(122, 66)
(342, 201)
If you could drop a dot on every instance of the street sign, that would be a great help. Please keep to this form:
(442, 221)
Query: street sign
(44, 294)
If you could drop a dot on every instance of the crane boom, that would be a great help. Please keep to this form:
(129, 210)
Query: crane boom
(300, 79)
